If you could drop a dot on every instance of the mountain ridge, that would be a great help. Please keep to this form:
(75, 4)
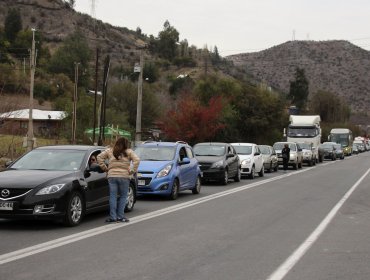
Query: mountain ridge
(336, 66)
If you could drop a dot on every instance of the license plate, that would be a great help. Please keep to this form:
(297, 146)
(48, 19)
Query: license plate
(6, 206)
(141, 182)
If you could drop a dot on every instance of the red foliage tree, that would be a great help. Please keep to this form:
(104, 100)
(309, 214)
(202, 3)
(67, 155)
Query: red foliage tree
(192, 122)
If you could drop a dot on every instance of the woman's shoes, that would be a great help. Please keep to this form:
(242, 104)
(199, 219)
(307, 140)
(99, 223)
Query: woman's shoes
(110, 220)
(123, 220)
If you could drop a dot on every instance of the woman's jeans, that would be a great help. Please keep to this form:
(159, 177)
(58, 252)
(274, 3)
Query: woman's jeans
(117, 185)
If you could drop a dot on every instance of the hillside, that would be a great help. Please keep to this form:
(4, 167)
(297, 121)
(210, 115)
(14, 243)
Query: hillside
(336, 66)
(55, 20)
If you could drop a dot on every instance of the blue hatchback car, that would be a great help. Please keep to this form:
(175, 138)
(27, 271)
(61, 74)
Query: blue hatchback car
(166, 168)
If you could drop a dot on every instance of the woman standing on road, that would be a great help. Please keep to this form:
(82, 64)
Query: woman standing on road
(119, 172)
(285, 153)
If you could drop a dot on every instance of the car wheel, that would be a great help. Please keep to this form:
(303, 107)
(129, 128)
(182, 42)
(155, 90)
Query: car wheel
(75, 210)
(262, 172)
(225, 180)
(276, 167)
(253, 171)
(270, 168)
(197, 186)
(130, 199)
(175, 190)
(300, 165)
(295, 166)
(238, 175)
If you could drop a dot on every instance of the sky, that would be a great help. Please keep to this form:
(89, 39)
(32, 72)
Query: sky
(240, 26)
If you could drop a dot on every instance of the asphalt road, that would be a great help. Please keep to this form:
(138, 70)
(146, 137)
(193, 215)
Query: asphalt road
(313, 223)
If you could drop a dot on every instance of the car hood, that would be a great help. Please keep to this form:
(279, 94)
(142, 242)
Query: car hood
(13, 178)
(209, 159)
(266, 156)
(152, 165)
(244, 157)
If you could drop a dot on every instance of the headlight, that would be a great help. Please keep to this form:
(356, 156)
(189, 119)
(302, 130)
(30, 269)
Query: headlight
(165, 171)
(292, 155)
(50, 189)
(246, 161)
(218, 164)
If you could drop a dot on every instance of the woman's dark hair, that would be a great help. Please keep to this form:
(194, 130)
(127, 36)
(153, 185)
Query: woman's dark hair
(120, 147)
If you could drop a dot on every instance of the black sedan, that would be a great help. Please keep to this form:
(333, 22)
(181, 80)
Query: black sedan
(56, 183)
(218, 162)
(327, 151)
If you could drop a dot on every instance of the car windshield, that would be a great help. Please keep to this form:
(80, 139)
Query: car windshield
(264, 150)
(305, 146)
(155, 153)
(63, 160)
(326, 146)
(209, 150)
(338, 147)
(243, 150)
(280, 146)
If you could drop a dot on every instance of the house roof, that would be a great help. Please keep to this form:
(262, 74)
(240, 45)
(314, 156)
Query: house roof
(36, 115)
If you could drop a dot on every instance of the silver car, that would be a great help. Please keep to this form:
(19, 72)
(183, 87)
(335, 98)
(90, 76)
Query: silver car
(270, 159)
(296, 154)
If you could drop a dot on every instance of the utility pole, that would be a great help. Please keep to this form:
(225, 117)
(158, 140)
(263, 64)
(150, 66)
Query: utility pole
(74, 117)
(96, 92)
(30, 137)
(104, 101)
(139, 100)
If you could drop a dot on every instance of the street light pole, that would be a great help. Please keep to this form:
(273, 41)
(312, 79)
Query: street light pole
(30, 137)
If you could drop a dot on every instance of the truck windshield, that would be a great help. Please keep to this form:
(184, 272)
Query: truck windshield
(302, 132)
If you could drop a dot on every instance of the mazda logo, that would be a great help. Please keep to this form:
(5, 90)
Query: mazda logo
(5, 193)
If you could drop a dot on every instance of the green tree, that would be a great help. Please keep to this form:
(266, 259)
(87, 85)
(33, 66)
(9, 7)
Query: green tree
(298, 92)
(13, 24)
(166, 44)
(330, 107)
(75, 49)
(122, 99)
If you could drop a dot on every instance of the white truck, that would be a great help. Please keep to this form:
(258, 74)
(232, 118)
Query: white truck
(305, 129)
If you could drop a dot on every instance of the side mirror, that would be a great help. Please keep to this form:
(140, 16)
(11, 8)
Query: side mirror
(256, 153)
(230, 155)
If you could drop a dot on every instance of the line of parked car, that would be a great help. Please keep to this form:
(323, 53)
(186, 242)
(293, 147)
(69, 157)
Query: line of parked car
(60, 182)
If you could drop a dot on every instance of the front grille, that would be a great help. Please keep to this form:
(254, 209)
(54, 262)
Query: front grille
(146, 179)
(205, 166)
(13, 193)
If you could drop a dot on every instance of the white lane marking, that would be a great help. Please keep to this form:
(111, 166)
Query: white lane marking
(42, 247)
(292, 260)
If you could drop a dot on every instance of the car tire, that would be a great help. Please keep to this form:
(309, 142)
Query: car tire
(225, 180)
(238, 175)
(276, 168)
(130, 199)
(197, 187)
(252, 175)
(262, 171)
(270, 168)
(75, 210)
(175, 190)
